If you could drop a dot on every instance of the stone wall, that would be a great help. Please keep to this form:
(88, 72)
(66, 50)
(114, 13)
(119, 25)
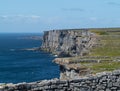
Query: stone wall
(106, 81)
(72, 69)
(68, 42)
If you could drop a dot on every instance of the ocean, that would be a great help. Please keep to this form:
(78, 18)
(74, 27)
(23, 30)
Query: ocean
(18, 65)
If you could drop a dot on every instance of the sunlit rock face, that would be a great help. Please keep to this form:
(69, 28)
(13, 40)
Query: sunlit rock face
(71, 71)
(66, 43)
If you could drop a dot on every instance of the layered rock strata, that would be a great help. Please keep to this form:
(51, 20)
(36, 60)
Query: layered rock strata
(68, 42)
(71, 70)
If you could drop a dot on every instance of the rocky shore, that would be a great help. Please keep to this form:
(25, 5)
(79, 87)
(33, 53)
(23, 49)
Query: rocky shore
(74, 75)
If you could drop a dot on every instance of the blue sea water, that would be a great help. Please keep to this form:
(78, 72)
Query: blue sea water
(24, 66)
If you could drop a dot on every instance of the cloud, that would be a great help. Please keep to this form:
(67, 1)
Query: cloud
(93, 18)
(19, 16)
(3, 16)
(113, 3)
(35, 17)
(73, 9)
(16, 18)
(30, 19)
(52, 20)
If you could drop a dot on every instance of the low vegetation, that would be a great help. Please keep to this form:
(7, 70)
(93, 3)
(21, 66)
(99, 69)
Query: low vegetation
(100, 32)
(104, 57)
(110, 44)
(104, 66)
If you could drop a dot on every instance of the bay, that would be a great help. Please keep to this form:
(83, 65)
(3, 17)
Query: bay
(24, 66)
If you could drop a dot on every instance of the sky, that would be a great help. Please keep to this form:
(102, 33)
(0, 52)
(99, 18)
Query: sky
(34, 16)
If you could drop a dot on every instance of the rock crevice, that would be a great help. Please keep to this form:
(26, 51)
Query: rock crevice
(66, 43)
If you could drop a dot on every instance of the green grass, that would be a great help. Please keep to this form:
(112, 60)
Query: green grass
(110, 45)
(106, 52)
(105, 29)
(104, 66)
(100, 32)
(100, 67)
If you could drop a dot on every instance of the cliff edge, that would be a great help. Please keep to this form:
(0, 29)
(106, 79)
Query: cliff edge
(66, 43)
(84, 51)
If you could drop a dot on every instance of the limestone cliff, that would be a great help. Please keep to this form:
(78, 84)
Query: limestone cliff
(68, 42)
(71, 70)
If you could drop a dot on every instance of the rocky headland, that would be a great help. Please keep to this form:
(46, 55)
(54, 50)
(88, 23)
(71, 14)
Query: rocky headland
(89, 60)
(67, 43)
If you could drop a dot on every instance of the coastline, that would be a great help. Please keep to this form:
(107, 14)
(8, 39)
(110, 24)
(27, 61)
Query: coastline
(74, 76)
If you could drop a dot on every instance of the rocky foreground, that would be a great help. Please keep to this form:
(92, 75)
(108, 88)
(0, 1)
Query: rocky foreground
(106, 81)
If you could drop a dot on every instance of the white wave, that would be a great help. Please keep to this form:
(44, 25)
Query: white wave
(12, 49)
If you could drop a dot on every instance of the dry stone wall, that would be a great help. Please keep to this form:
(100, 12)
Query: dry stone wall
(106, 81)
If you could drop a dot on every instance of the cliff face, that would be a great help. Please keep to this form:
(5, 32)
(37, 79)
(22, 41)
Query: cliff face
(67, 43)
(71, 70)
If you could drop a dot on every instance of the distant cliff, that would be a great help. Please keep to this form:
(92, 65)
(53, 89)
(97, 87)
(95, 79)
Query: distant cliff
(68, 42)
